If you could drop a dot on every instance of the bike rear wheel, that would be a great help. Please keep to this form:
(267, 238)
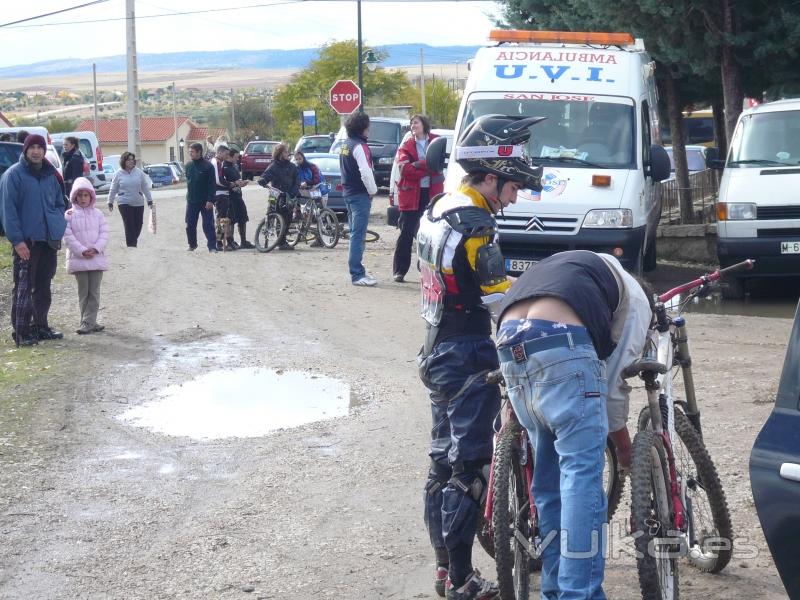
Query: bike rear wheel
(328, 228)
(652, 519)
(710, 530)
(268, 232)
(511, 516)
(293, 232)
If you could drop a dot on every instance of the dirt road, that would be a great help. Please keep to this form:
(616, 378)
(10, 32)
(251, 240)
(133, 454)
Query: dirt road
(94, 507)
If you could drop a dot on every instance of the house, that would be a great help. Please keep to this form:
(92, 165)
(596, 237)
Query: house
(159, 140)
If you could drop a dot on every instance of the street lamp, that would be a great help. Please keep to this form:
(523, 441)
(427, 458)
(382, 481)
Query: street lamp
(370, 60)
(181, 144)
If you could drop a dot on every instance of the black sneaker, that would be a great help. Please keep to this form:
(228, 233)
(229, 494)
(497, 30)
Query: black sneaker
(191, 248)
(285, 247)
(46, 333)
(247, 245)
(25, 339)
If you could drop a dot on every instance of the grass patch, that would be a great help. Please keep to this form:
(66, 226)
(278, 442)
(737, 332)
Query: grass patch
(21, 366)
(5, 254)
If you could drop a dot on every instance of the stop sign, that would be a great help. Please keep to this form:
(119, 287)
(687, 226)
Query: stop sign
(345, 96)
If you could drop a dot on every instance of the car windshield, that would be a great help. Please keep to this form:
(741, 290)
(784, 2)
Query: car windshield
(160, 172)
(260, 148)
(85, 146)
(387, 133)
(694, 158)
(599, 133)
(326, 165)
(108, 169)
(766, 139)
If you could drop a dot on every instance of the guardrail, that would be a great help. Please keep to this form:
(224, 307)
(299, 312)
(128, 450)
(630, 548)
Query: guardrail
(703, 185)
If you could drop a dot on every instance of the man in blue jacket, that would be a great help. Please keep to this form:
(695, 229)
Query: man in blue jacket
(32, 211)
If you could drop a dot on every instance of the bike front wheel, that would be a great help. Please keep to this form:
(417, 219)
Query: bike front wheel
(328, 228)
(710, 530)
(652, 522)
(268, 232)
(511, 516)
(293, 232)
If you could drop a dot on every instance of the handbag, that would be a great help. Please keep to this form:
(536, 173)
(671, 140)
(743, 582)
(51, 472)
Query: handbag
(151, 222)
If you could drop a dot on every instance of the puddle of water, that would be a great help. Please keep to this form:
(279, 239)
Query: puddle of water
(754, 306)
(247, 402)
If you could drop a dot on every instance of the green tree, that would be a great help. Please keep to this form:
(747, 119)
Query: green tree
(309, 88)
(61, 124)
(441, 103)
(253, 118)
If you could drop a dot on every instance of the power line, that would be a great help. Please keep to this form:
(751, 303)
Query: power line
(56, 12)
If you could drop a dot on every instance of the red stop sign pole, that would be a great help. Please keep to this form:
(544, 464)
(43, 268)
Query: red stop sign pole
(345, 96)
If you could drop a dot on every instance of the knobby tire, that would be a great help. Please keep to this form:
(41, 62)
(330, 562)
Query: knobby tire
(510, 501)
(651, 512)
(268, 232)
(328, 228)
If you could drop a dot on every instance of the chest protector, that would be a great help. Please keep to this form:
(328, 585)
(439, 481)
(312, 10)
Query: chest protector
(439, 240)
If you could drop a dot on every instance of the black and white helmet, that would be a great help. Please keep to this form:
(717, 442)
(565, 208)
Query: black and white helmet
(495, 144)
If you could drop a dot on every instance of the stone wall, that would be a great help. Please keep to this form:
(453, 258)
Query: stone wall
(688, 243)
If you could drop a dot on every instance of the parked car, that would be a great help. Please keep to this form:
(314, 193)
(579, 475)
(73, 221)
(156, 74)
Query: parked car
(162, 174)
(385, 135)
(179, 169)
(111, 166)
(54, 158)
(695, 159)
(775, 470)
(256, 157)
(37, 129)
(314, 143)
(328, 164)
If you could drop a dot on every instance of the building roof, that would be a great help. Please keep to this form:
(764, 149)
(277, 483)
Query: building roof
(201, 133)
(151, 129)
(4, 120)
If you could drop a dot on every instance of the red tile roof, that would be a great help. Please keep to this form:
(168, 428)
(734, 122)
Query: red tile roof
(201, 133)
(151, 129)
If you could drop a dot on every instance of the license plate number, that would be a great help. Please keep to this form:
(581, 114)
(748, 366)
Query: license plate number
(518, 265)
(790, 247)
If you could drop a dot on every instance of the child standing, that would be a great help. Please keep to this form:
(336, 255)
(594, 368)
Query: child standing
(86, 237)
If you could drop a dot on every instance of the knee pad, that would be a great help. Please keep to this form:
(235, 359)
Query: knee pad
(471, 479)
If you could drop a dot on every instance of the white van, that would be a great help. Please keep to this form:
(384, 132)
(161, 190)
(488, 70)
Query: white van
(596, 145)
(88, 144)
(758, 212)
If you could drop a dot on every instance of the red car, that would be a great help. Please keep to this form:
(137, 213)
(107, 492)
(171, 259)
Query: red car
(257, 156)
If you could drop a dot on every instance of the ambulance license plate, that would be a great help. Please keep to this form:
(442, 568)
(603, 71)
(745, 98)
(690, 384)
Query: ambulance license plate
(519, 265)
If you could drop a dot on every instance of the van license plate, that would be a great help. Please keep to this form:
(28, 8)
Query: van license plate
(518, 265)
(788, 248)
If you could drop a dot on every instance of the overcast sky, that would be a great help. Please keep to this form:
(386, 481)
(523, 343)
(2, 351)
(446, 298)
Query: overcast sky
(269, 24)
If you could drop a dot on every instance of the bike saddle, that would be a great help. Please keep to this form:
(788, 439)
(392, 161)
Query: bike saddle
(643, 365)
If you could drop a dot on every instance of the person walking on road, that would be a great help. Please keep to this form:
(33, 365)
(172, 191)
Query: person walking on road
(416, 187)
(130, 189)
(358, 182)
(462, 268)
(72, 162)
(562, 318)
(32, 213)
(200, 189)
(86, 238)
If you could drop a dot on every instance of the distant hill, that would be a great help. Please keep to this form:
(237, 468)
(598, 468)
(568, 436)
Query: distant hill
(398, 55)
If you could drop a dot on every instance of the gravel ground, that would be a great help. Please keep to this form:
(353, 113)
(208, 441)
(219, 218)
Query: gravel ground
(92, 507)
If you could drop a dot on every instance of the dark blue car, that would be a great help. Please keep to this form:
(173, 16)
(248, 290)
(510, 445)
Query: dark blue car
(328, 164)
(161, 175)
(775, 470)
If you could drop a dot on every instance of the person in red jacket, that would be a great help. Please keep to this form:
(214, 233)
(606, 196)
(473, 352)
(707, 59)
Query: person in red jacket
(416, 187)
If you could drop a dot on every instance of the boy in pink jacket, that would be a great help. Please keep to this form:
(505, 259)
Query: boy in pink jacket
(86, 238)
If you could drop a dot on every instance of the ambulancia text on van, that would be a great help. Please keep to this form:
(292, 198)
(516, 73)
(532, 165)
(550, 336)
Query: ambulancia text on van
(758, 212)
(596, 147)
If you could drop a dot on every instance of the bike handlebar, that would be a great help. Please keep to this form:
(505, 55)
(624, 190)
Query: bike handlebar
(707, 278)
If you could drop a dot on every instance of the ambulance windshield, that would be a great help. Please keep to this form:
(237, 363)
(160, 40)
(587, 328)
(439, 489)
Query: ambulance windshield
(598, 132)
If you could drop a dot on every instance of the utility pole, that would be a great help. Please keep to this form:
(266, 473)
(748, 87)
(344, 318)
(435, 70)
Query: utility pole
(360, 60)
(134, 143)
(422, 78)
(175, 120)
(94, 88)
(233, 115)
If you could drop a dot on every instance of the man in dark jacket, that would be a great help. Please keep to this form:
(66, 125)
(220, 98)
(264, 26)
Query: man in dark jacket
(200, 190)
(72, 162)
(32, 211)
(238, 207)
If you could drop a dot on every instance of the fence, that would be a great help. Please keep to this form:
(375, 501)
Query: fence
(703, 186)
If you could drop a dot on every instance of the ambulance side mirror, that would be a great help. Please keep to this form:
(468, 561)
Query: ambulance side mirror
(659, 163)
(713, 160)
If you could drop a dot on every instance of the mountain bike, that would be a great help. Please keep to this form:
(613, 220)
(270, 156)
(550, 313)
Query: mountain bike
(270, 228)
(310, 219)
(344, 233)
(508, 528)
(678, 505)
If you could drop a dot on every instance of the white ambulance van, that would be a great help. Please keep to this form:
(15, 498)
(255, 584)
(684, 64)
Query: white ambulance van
(758, 212)
(598, 146)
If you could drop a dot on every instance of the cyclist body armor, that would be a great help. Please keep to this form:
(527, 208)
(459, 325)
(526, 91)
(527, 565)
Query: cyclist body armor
(460, 263)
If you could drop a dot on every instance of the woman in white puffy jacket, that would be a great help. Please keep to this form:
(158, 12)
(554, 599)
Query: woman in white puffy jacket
(86, 238)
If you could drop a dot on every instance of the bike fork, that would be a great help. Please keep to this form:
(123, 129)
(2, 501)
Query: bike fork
(684, 359)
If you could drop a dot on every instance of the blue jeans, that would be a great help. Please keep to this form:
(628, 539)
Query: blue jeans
(559, 396)
(358, 208)
(193, 211)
